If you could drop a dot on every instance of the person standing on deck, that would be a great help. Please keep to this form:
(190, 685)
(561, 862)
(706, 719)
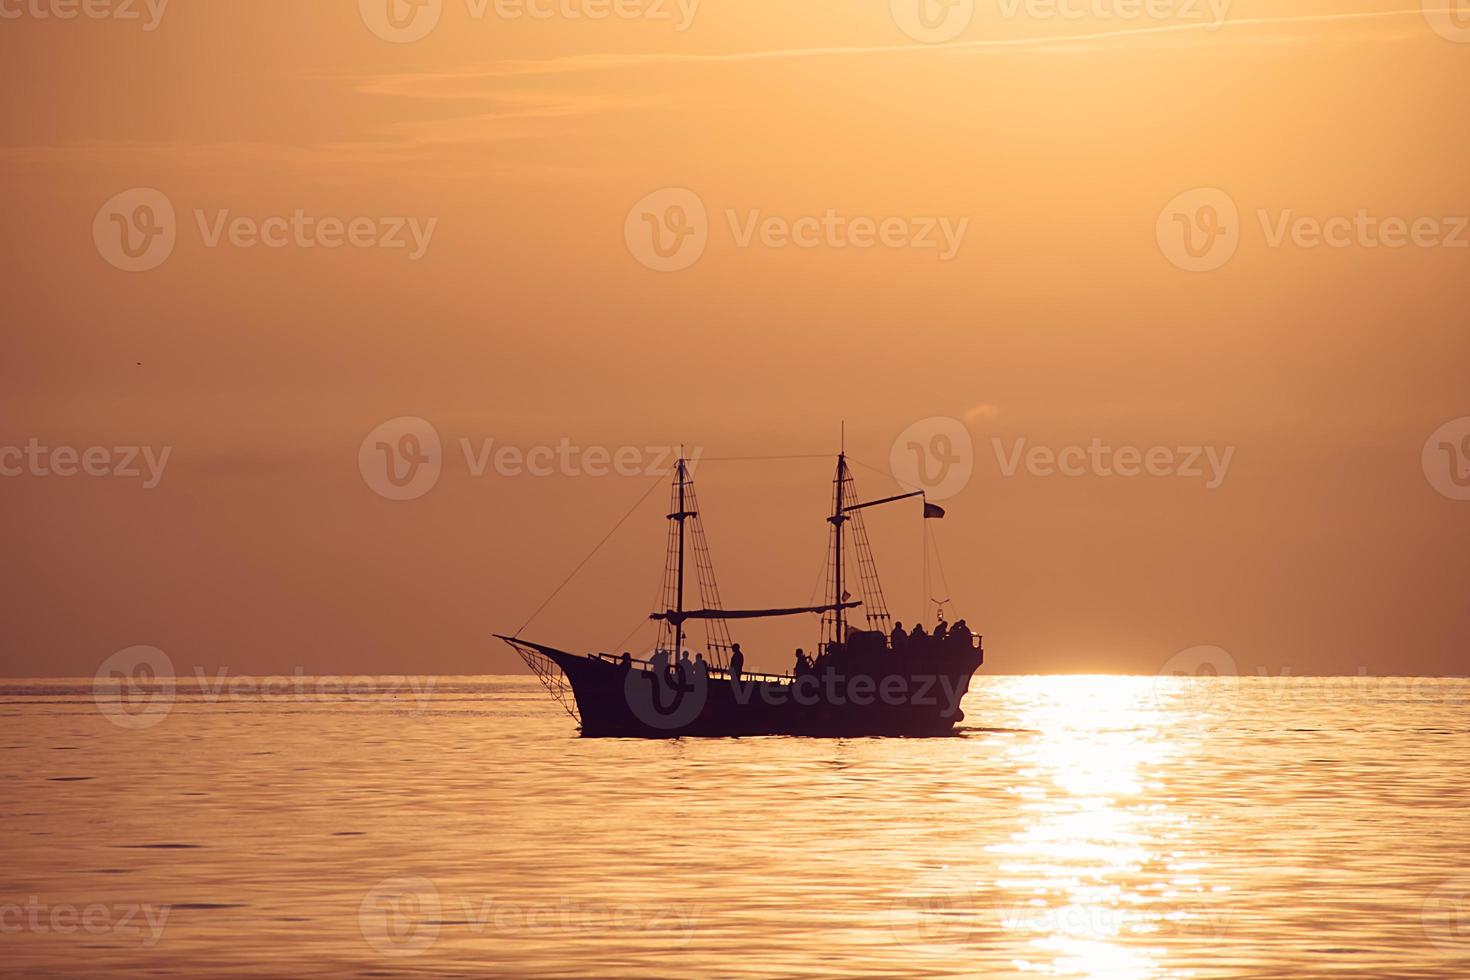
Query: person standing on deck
(659, 662)
(737, 662)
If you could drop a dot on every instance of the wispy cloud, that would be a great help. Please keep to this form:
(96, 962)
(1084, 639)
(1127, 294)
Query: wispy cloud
(450, 84)
(493, 113)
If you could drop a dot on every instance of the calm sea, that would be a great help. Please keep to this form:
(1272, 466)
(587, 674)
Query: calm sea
(1077, 826)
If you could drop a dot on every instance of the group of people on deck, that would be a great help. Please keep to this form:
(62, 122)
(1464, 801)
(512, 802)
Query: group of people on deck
(900, 642)
(684, 668)
(959, 633)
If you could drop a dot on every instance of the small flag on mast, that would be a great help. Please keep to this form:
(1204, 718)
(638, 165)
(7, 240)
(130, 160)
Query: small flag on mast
(932, 511)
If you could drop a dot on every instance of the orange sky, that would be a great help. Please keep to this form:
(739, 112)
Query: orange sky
(519, 147)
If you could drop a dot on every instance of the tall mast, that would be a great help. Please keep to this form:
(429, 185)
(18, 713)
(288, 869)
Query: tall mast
(679, 593)
(837, 519)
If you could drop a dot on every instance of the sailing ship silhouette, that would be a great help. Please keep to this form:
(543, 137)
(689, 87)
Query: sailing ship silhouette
(869, 681)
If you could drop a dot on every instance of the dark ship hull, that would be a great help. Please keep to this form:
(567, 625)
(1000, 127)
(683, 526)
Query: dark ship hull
(869, 696)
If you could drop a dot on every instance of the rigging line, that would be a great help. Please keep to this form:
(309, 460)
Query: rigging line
(940, 562)
(746, 459)
(624, 641)
(609, 534)
(902, 483)
(658, 594)
(821, 575)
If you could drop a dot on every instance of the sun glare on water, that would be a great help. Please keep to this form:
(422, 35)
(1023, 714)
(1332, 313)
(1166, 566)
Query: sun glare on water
(1089, 878)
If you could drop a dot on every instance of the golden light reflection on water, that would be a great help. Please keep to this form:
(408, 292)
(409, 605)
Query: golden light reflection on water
(1089, 876)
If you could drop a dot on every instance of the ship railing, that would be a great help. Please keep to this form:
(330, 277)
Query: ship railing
(745, 675)
(976, 642)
